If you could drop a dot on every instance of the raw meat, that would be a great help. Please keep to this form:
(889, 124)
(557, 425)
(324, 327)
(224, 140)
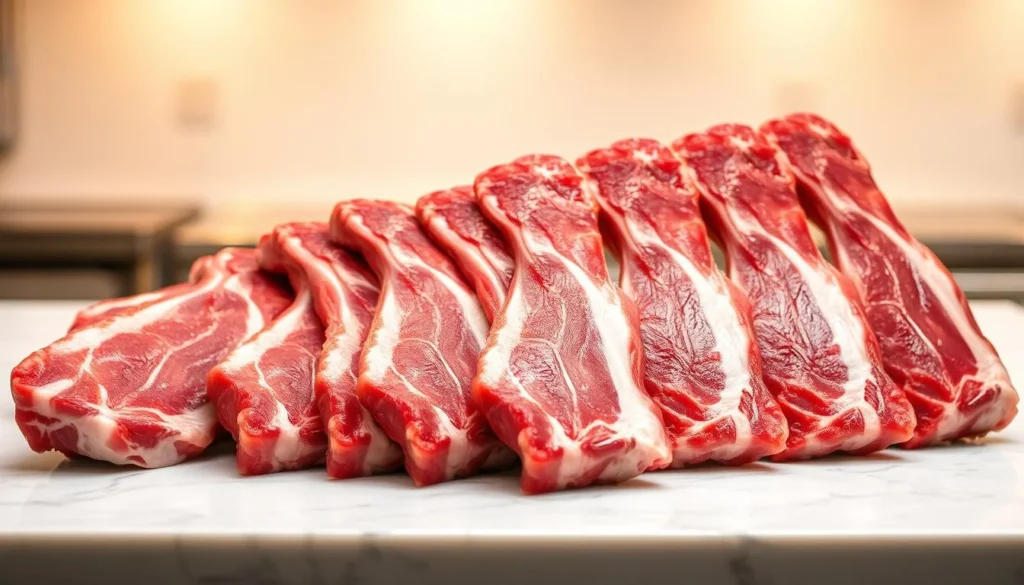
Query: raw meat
(931, 345)
(821, 360)
(345, 297)
(703, 365)
(110, 307)
(452, 217)
(130, 389)
(561, 378)
(419, 359)
(263, 389)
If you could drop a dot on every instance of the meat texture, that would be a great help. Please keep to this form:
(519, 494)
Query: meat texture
(453, 219)
(931, 344)
(130, 388)
(703, 365)
(109, 307)
(821, 360)
(344, 297)
(263, 389)
(419, 359)
(561, 378)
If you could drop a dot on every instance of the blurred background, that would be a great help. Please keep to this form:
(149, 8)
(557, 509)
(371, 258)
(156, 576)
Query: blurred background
(138, 134)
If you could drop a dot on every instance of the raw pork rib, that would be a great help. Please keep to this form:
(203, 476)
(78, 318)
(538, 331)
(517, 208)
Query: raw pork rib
(263, 389)
(421, 353)
(453, 219)
(345, 297)
(130, 389)
(821, 361)
(110, 307)
(703, 365)
(561, 378)
(931, 345)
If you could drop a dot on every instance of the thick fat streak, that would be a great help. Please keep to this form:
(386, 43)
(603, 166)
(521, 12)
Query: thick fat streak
(474, 314)
(731, 341)
(379, 359)
(494, 368)
(334, 365)
(95, 431)
(650, 212)
(990, 368)
(847, 333)
(194, 427)
(379, 355)
(110, 307)
(483, 262)
(288, 446)
(636, 419)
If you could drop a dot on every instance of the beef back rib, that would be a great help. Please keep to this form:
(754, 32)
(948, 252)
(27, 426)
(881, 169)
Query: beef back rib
(561, 378)
(345, 296)
(263, 390)
(452, 217)
(931, 345)
(821, 360)
(130, 388)
(703, 365)
(421, 353)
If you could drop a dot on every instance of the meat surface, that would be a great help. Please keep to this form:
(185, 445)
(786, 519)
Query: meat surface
(263, 390)
(453, 219)
(419, 359)
(109, 307)
(821, 360)
(561, 378)
(344, 296)
(703, 365)
(131, 388)
(931, 344)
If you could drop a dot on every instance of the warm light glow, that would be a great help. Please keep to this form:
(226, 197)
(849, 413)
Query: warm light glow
(200, 15)
(462, 13)
(396, 97)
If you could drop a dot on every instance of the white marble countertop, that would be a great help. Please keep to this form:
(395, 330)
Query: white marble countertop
(950, 500)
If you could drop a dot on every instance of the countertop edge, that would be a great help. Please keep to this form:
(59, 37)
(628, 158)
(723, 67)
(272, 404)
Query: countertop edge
(373, 559)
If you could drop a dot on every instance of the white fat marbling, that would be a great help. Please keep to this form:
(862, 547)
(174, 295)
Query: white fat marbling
(955, 510)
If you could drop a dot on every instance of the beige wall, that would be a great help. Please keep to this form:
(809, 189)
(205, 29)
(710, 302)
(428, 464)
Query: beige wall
(318, 100)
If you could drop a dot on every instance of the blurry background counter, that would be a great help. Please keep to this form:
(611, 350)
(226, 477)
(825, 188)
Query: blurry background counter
(70, 250)
(237, 224)
(982, 246)
(75, 251)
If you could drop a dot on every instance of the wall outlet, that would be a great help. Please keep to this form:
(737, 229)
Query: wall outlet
(795, 96)
(1016, 106)
(196, 103)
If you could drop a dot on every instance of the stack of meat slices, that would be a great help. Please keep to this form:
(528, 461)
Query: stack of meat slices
(483, 326)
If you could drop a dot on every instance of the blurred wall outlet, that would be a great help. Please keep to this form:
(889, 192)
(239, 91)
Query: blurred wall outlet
(795, 96)
(1017, 107)
(196, 103)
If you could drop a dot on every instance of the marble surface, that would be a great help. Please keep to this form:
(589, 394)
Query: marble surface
(938, 515)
